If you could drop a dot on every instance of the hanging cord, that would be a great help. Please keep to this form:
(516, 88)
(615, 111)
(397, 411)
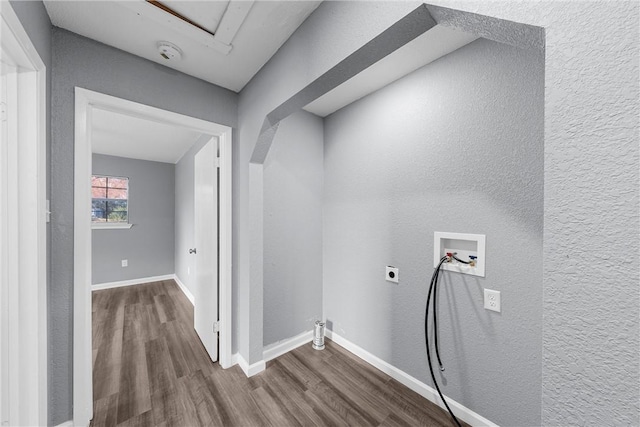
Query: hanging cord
(453, 255)
(435, 322)
(432, 286)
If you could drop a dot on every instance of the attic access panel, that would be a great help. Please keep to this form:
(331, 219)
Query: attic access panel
(204, 15)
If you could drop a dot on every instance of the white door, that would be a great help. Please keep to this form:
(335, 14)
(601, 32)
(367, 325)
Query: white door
(206, 240)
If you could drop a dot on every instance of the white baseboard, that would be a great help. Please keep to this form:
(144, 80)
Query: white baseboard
(140, 281)
(184, 289)
(250, 370)
(281, 347)
(66, 424)
(460, 411)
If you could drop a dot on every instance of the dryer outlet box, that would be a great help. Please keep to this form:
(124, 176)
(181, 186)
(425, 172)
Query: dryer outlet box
(391, 274)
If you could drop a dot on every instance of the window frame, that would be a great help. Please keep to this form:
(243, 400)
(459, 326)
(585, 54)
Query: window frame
(110, 225)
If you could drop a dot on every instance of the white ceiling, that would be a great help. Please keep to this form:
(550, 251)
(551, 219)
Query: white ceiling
(240, 37)
(136, 26)
(433, 44)
(122, 135)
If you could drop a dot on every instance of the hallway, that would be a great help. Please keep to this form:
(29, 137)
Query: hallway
(150, 369)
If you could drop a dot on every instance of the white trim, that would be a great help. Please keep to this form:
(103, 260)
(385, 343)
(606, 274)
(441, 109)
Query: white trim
(82, 358)
(131, 282)
(234, 358)
(85, 102)
(250, 370)
(66, 424)
(23, 231)
(461, 411)
(110, 226)
(225, 196)
(184, 289)
(279, 348)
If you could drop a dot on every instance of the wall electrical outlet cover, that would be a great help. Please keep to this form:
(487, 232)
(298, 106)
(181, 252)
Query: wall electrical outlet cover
(391, 274)
(492, 300)
(125, 263)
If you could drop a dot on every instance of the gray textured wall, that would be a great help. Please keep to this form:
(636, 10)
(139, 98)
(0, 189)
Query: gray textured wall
(456, 146)
(149, 244)
(184, 231)
(331, 33)
(293, 228)
(590, 373)
(78, 61)
(591, 316)
(589, 369)
(591, 328)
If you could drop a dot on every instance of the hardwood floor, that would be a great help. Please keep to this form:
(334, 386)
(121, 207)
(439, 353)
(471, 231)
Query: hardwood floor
(150, 369)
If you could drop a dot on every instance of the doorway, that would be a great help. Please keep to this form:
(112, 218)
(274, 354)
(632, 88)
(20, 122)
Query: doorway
(87, 102)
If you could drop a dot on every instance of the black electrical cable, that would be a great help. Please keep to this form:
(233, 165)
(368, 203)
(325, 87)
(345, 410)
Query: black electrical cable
(435, 323)
(434, 284)
(459, 260)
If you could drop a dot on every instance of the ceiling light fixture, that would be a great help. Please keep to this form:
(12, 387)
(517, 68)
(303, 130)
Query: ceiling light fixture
(169, 51)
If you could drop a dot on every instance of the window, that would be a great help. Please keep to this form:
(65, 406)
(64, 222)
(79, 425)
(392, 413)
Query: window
(109, 200)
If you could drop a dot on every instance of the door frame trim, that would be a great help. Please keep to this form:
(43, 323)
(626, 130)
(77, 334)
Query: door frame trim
(23, 242)
(85, 101)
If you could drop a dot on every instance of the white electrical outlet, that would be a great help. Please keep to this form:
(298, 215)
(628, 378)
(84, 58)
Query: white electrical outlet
(391, 274)
(125, 262)
(492, 300)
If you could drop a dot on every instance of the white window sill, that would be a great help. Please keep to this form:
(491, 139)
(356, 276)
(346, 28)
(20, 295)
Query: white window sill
(103, 226)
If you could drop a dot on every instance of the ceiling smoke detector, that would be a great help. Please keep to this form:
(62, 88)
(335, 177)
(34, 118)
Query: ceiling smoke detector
(169, 51)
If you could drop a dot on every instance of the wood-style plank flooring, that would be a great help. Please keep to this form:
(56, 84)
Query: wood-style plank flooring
(150, 369)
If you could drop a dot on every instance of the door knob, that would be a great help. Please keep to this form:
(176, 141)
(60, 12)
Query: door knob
(192, 251)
